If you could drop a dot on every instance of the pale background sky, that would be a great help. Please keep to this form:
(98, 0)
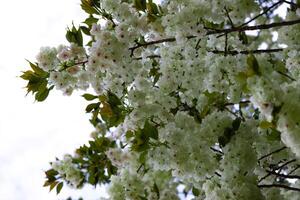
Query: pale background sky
(31, 133)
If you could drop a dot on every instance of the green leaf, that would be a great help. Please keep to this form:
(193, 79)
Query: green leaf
(59, 187)
(228, 133)
(274, 135)
(156, 190)
(70, 37)
(79, 37)
(253, 66)
(42, 95)
(236, 124)
(142, 157)
(222, 141)
(91, 20)
(47, 183)
(51, 172)
(89, 97)
(85, 30)
(152, 8)
(256, 114)
(150, 130)
(37, 70)
(53, 185)
(129, 134)
(74, 36)
(266, 125)
(91, 107)
(195, 191)
(140, 5)
(113, 100)
(87, 7)
(243, 37)
(28, 75)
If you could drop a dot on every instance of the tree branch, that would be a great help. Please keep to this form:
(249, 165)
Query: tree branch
(259, 51)
(279, 186)
(151, 56)
(217, 151)
(283, 175)
(264, 12)
(276, 168)
(295, 169)
(225, 31)
(273, 152)
(256, 27)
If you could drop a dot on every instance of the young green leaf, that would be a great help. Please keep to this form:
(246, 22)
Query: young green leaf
(59, 187)
(253, 65)
(89, 97)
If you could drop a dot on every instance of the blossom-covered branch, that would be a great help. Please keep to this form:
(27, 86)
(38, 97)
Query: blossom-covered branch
(226, 31)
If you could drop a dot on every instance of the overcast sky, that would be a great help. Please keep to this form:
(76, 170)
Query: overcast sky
(31, 133)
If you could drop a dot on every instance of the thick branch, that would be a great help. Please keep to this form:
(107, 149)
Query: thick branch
(259, 51)
(256, 27)
(279, 186)
(226, 31)
(283, 175)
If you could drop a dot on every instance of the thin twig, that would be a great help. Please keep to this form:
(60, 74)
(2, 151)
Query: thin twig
(297, 167)
(228, 16)
(151, 56)
(226, 44)
(286, 75)
(279, 167)
(261, 14)
(216, 150)
(291, 3)
(241, 102)
(273, 152)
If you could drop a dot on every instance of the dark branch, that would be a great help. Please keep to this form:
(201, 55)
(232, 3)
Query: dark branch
(291, 3)
(279, 186)
(287, 76)
(273, 152)
(264, 12)
(216, 150)
(283, 175)
(225, 31)
(241, 102)
(259, 51)
(295, 169)
(228, 16)
(277, 168)
(151, 56)
(256, 27)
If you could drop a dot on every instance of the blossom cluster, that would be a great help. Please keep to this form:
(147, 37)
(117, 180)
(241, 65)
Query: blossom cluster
(68, 170)
(187, 97)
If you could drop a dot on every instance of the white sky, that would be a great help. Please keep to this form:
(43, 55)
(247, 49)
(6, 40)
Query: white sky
(32, 134)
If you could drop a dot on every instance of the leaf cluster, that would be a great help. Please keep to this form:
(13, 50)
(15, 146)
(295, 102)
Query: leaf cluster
(109, 109)
(94, 161)
(229, 132)
(37, 82)
(53, 181)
